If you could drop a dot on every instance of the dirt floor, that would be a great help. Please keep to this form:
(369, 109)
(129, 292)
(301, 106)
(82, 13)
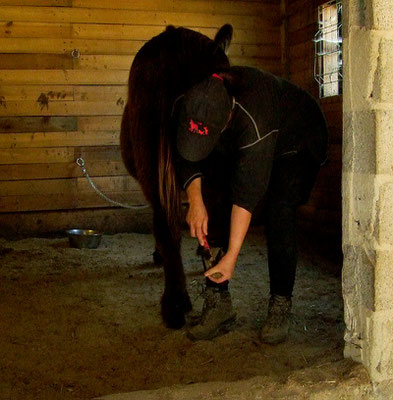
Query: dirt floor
(79, 324)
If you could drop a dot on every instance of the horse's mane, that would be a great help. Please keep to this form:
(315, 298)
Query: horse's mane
(164, 68)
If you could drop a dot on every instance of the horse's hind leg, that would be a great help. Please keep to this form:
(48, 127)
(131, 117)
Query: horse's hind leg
(175, 302)
(157, 257)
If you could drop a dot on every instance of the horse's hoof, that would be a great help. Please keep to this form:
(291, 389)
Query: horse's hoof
(174, 307)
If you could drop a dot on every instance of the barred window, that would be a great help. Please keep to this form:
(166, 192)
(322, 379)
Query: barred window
(328, 49)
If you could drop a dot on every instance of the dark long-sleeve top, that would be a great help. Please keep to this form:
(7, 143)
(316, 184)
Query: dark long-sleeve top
(271, 118)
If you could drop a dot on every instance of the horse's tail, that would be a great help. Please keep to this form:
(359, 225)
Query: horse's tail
(168, 187)
(164, 68)
(126, 143)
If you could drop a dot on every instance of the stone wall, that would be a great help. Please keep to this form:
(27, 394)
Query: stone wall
(368, 185)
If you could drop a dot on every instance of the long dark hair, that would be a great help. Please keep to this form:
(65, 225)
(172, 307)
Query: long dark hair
(163, 69)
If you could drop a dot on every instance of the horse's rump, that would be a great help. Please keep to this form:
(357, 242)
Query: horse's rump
(164, 68)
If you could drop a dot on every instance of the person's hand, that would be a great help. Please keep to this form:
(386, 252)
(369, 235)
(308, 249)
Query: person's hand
(197, 220)
(225, 267)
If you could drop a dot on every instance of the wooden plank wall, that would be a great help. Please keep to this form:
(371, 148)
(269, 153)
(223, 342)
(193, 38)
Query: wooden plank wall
(55, 107)
(323, 212)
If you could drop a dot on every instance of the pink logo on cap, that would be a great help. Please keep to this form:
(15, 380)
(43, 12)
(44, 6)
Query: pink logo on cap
(218, 77)
(195, 127)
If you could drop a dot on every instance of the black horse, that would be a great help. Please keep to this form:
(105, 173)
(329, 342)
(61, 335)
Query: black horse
(163, 69)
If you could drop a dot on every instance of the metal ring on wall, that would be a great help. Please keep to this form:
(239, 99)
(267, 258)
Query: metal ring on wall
(75, 53)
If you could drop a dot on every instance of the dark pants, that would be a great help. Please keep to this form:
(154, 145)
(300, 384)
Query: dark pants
(292, 179)
(291, 182)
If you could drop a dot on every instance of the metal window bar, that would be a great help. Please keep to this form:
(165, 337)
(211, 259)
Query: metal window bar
(328, 51)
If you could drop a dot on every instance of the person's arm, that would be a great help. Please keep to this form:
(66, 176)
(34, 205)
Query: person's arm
(240, 221)
(190, 178)
(197, 217)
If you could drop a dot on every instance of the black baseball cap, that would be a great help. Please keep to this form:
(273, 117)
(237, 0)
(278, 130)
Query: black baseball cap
(203, 115)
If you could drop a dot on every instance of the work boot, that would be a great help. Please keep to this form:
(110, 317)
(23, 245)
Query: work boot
(276, 327)
(218, 316)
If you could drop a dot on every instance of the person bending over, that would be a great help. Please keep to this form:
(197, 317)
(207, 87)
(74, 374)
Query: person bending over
(244, 135)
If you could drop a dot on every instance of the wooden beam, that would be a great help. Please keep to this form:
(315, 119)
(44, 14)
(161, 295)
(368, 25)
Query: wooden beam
(53, 139)
(109, 220)
(63, 93)
(66, 108)
(67, 201)
(37, 3)
(113, 16)
(263, 9)
(63, 77)
(38, 124)
(99, 123)
(57, 154)
(60, 170)
(79, 185)
(11, 29)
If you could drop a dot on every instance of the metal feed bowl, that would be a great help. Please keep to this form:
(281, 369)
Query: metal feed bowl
(84, 238)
